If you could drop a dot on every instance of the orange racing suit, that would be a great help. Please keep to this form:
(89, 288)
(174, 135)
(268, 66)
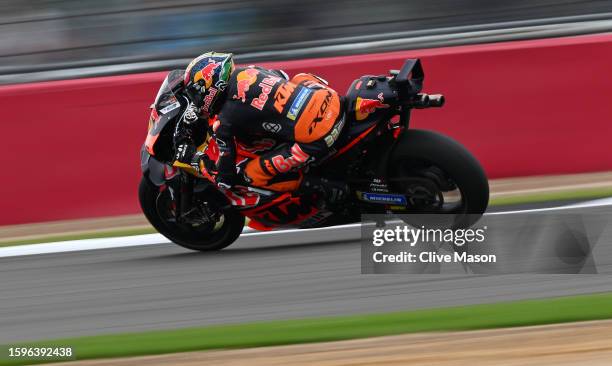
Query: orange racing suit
(303, 115)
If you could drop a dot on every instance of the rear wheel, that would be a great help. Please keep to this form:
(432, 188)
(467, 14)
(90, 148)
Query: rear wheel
(215, 234)
(438, 176)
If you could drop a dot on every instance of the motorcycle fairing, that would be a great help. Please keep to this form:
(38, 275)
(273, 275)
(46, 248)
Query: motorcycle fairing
(283, 210)
(369, 101)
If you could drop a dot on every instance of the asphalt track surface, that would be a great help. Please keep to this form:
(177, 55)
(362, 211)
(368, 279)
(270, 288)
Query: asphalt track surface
(258, 278)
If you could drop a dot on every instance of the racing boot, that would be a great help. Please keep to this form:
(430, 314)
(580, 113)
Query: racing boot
(333, 192)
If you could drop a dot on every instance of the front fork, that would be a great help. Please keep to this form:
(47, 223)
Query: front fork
(185, 204)
(190, 197)
(181, 183)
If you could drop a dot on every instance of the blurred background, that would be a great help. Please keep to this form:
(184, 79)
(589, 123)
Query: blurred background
(103, 62)
(39, 36)
(527, 84)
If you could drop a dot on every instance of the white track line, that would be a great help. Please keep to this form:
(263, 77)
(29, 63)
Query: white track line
(123, 242)
(155, 239)
(595, 203)
(84, 244)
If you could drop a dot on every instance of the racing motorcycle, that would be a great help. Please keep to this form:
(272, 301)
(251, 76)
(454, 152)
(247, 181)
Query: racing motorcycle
(389, 168)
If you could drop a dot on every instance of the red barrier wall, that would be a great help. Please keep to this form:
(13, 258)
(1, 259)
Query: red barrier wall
(70, 149)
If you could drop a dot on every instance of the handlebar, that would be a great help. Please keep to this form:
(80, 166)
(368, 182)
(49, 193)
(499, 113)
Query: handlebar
(422, 100)
(409, 82)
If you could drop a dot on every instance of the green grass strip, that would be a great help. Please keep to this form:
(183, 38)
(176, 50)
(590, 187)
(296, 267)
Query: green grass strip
(508, 314)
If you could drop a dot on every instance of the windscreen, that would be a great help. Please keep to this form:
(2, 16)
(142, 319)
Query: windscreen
(165, 108)
(166, 95)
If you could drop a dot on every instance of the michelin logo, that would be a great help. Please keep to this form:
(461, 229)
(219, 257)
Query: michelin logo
(395, 199)
(298, 103)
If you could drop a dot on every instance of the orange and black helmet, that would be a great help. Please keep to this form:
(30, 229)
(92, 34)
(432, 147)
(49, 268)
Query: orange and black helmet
(206, 78)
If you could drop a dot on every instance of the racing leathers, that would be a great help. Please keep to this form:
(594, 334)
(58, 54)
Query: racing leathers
(302, 115)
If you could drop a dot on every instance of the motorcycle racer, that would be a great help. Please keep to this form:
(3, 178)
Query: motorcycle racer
(303, 114)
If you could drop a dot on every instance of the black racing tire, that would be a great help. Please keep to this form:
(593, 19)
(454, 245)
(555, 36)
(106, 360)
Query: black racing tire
(221, 237)
(454, 160)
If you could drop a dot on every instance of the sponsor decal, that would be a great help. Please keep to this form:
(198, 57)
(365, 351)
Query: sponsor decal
(170, 108)
(244, 80)
(297, 158)
(335, 133)
(282, 95)
(291, 210)
(206, 74)
(242, 197)
(271, 127)
(363, 107)
(379, 186)
(384, 198)
(221, 85)
(298, 103)
(321, 113)
(191, 114)
(210, 96)
(266, 86)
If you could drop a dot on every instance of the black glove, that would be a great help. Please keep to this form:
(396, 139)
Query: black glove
(333, 191)
(231, 180)
(195, 161)
(185, 153)
(227, 181)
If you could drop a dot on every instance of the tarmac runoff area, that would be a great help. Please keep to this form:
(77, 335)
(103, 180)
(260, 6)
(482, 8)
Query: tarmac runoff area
(264, 276)
(576, 344)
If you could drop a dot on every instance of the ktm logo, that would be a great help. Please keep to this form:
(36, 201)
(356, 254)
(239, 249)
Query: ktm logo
(282, 95)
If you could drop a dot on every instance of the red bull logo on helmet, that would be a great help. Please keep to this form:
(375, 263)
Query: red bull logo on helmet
(244, 80)
(363, 107)
(207, 73)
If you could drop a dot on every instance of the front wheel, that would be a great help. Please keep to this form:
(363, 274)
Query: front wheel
(158, 207)
(438, 176)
